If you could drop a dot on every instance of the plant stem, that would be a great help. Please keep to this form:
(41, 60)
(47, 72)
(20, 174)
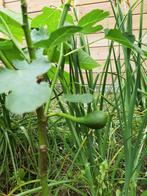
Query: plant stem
(67, 116)
(54, 80)
(6, 113)
(42, 120)
(64, 13)
(43, 160)
(27, 29)
(61, 58)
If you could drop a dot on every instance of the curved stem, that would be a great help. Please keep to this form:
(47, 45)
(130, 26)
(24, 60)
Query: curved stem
(67, 116)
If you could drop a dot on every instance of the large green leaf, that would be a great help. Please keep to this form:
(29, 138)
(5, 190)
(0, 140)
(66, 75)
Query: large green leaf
(86, 62)
(10, 15)
(51, 18)
(13, 21)
(92, 29)
(40, 34)
(54, 53)
(12, 53)
(117, 36)
(57, 37)
(25, 94)
(27, 99)
(3, 28)
(78, 98)
(90, 20)
(6, 29)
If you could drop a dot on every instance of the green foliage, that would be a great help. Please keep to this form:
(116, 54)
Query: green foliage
(26, 94)
(5, 44)
(82, 161)
(85, 61)
(38, 35)
(11, 22)
(90, 20)
(51, 18)
(144, 193)
(57, 37)
(116, 35)
(9, 15)
(12, 53)
(64, 77)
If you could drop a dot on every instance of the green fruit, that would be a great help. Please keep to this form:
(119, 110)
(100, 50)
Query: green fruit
(94, 120)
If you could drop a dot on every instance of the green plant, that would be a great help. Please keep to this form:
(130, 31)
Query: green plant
(23, 66)
(53, 72)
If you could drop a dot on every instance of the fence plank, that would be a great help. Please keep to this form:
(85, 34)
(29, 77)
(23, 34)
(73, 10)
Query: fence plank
(107, 6)
(33, 6)
(87, 2)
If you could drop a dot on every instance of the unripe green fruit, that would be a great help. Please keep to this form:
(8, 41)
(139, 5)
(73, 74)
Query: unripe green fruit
(94, 120)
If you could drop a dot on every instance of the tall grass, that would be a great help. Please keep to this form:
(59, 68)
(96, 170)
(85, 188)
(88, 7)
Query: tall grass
(130, 99)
